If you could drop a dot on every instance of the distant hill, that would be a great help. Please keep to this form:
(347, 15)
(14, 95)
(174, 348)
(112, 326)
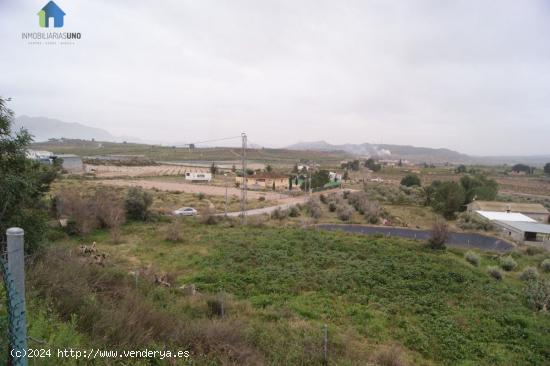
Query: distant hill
(385, 151)
(43, 129)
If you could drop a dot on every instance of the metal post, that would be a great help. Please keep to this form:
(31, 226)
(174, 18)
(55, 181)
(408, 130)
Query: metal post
(243, 187)
(225, 207)
(16, 266)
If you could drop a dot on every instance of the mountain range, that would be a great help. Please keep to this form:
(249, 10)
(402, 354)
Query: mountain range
(418, 154)
(43, 129)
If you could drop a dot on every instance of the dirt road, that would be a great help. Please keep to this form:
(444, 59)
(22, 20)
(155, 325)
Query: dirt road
(194, 188)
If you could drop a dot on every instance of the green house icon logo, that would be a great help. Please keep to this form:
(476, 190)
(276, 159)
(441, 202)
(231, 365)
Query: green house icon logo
(47, 13)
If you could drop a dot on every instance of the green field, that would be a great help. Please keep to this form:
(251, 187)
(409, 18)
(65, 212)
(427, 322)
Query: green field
(282, 285)
(169, 153)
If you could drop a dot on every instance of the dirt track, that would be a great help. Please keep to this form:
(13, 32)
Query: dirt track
(197, 188)
(110, 171)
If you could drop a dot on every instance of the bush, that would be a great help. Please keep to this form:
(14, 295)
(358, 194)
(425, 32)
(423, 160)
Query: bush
(173, 231)
(332, 206)
(389, 356)
(261, 198)
(344, 212)
(411, 180)
(534, 250)
(469, 221)
(472, 258)
(293, 211)
(495, 272)
(279, 214)
(313, 207)
(209, 217)
(545, 265)
(323, 198)
(529, 273)
(137, 203)
(439, 235)
(508, 263)
(538, 294)
(200, 196)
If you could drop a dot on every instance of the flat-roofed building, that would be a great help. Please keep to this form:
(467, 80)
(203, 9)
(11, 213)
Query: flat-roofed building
(535, 211)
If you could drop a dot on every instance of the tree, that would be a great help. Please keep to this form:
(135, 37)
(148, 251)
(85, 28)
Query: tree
(137, 203)
(400, 162)
(547, 169)
(295, 169)
(460, 169)
(448, 198)
(373, 165)
(268, 168)
(213, 169)
(320, 178)
(522, 168)
(411, 180)
(478, 187)
(23, 183)
(290, 180)
(346, 175)
(354, 165)
(233, 168)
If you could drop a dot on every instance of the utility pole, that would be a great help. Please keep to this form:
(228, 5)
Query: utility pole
(243, 186)
(225, 208)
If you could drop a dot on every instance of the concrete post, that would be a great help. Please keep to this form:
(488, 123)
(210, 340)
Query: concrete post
(16, 266)
(16, 259)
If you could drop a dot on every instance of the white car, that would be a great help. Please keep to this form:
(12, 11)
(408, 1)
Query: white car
(185, 211)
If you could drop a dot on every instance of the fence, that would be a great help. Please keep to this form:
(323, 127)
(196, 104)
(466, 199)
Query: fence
(14, 283)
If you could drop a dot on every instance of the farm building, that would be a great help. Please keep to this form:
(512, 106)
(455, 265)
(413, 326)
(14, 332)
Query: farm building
(533, 210)
(71, 163)
(198, 176)
(265, 181)
(526, 232)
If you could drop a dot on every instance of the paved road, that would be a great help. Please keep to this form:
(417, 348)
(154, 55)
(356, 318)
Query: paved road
(464, 240)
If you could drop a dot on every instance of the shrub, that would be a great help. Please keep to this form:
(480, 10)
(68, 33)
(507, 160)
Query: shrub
(344, 212)
(323, 198)
(439, 235)
(545, 265)
(261, 198)
(173, 231)
(495, 272)
(79, 209)
(279, 214)
(313, 207)
(472, 258)
(346, 194)
(389, 356)
(508, 263)
(200, 196)
(538, 294)
(529, 273)
(137, 203)
(469, 221)
(293, 211)
(332, 206)
(209, 217)
(411, 180)
(534, 250)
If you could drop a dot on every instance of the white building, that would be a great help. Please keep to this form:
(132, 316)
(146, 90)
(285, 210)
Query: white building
(198, 176)
(335, 176)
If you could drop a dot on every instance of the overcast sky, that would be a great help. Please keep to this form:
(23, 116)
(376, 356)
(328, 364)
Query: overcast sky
(473, 75)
